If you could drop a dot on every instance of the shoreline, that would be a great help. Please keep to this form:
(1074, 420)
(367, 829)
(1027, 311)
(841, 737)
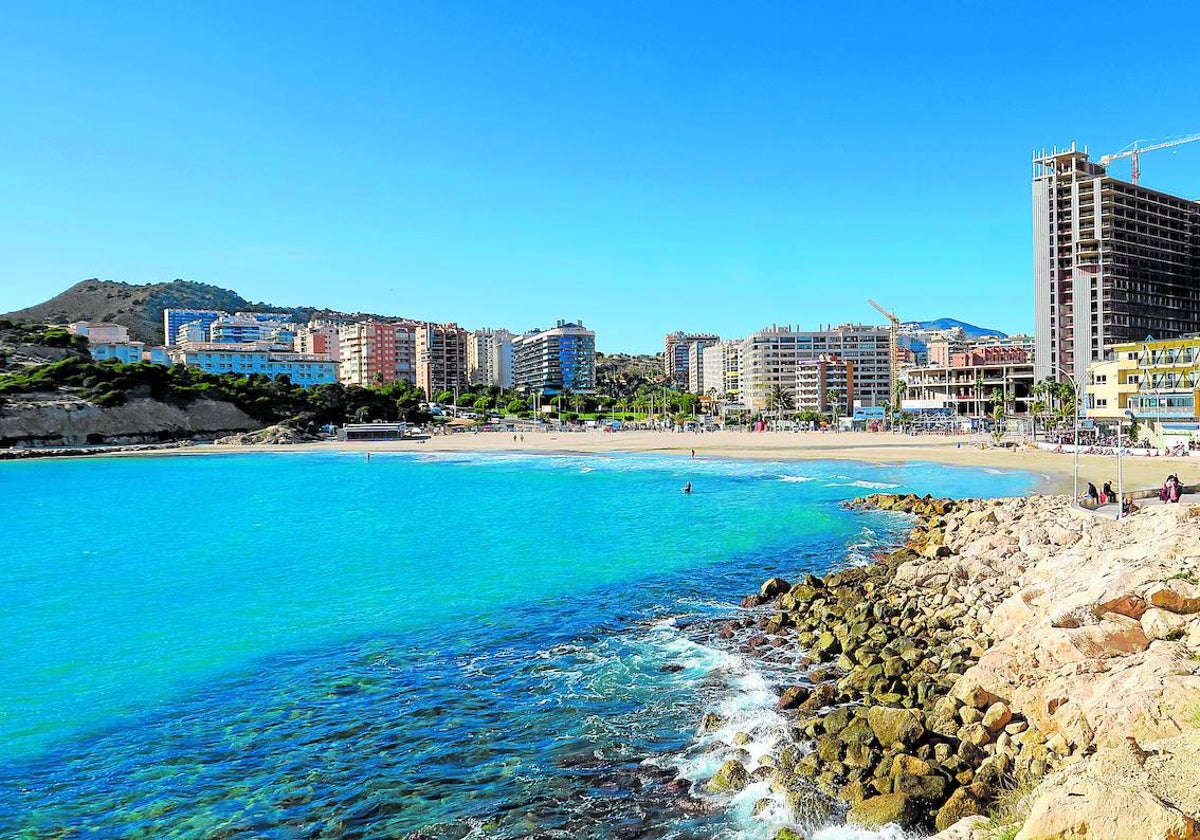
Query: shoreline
(1000, 670)
(1055, 470)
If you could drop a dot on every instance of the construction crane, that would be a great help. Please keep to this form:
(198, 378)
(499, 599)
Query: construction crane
(1133, 150)
(893, 344)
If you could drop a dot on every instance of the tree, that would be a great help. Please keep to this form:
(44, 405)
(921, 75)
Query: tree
(998, 418)
(833, 399)
(444, 398)
(1036, 409)
(516, 406)
(778, 399)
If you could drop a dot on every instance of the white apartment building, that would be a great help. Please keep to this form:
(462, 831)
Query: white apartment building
(490, 357)
(771, 357)
(556, 360)
(720, 367)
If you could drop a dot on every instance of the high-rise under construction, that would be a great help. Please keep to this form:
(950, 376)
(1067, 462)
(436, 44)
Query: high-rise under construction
(1113, 261)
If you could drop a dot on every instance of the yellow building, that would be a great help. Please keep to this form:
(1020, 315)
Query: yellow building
(1157, 380)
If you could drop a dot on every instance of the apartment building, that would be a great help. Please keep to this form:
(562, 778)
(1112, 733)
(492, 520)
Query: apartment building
(244, 329)
(490, 357)
(376, 352)
(1157, 380)
(771, 357)
(319, 338)
(260, 358)
(441, 360)
(1113, 263)
(97, 332)
(559, 359)
(173, 319)
(677, 355)
(720, 368)
(825, 385)
(968, 384)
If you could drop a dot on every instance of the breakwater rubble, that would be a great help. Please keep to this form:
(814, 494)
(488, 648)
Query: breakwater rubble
(995, 675)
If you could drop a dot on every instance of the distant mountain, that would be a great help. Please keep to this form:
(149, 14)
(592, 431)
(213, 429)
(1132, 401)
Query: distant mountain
(140, 308)
(971, 330)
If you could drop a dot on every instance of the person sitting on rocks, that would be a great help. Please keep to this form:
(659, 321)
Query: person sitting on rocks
(1128, 506)
(1106, 493)
(1093, 496)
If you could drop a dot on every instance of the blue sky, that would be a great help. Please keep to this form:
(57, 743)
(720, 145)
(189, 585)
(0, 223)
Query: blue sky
(642, 166)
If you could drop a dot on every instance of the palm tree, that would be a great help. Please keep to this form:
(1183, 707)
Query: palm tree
(1036, 408)
(778, 400)
(834, 400)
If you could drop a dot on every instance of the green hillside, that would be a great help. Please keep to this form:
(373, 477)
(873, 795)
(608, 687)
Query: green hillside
(140, 308)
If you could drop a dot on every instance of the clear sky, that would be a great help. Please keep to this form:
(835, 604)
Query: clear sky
(643, 166)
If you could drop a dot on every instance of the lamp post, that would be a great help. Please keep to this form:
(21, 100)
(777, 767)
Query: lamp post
(1075, 396)
(1120, 470)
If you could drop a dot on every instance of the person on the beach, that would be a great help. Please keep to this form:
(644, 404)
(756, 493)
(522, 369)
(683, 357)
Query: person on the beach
(1176, 489)
(1128, 507)
(687, 489)
(1093, 496)
(693, 454)
(1106, 493)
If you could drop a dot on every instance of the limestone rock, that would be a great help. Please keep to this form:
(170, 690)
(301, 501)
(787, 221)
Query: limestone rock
(773, 587)
(730, 778)
(968, 691)
(962, 803)
(1168, 597)
(1081, 805)
(794, 696)
(996, 717)
(1159, 624)
(895, 726)
(878, 811)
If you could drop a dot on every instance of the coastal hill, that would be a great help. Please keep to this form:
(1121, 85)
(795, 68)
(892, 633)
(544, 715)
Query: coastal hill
(971, 330)
(140, 307)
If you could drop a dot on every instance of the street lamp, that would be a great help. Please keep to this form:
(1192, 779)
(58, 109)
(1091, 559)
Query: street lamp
(1120, 470)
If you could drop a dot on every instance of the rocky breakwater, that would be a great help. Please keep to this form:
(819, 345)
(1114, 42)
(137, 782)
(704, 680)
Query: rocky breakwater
(988, 675)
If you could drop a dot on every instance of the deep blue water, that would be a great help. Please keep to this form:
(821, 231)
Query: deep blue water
(313, 645)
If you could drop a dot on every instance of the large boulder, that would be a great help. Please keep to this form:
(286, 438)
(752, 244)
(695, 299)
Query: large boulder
(730, 778)
(877, 811)
(1169, 597)
(964, 802)
(773, 587)
(1096, 809)
(895, 726)
(1148, 790)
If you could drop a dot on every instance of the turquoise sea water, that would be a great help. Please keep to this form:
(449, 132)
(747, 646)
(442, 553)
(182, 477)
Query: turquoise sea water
(314, 645)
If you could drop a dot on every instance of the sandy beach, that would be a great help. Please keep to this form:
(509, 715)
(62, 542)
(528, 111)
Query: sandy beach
(1055, 469)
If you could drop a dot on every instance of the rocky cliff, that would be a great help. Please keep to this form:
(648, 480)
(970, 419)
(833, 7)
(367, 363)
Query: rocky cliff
(58, 420)
(1018, 669)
